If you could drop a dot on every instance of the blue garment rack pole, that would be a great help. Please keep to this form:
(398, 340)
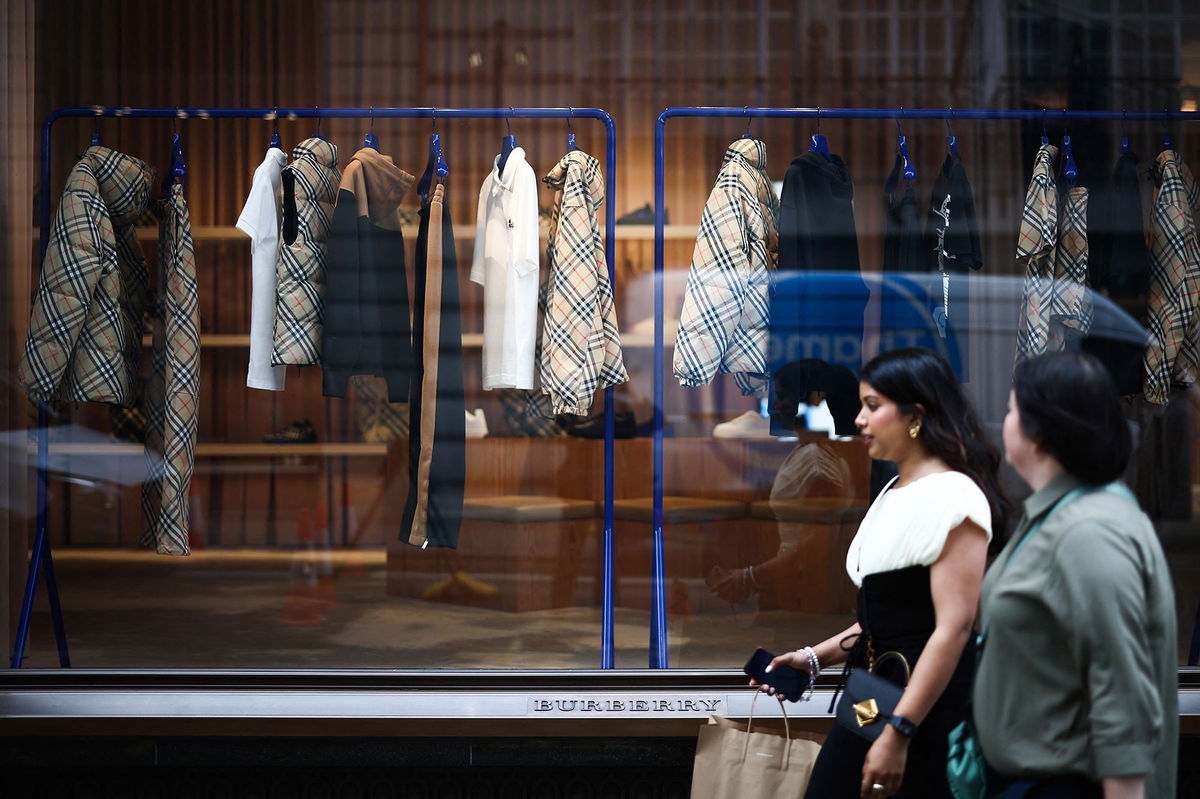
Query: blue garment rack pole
(658, 603)
(41, 559)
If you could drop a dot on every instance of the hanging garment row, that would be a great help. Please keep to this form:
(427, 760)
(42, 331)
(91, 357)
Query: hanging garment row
(328, 287)
(767, 273)
(330, 284)
(579, 346)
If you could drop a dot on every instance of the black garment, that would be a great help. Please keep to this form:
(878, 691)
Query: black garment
(902, 241)
(952, 251)
(443, 495)
(895, 609)
(816, 222)
(366, 329)
(819, 298)
(902, 324)
(1119, 268)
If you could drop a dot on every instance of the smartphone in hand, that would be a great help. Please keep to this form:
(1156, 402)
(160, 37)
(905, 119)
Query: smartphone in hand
(786, 680)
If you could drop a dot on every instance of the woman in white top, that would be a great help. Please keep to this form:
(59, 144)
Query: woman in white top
(918, 559)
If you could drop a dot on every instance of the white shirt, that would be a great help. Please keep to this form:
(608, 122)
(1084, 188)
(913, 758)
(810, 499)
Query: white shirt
(260, 221)
(908, 526)
(505, 263)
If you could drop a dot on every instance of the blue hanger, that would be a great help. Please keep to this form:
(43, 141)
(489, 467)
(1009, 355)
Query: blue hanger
(1167, 145)
(178, 167)
(97, 141)
(749, 122)
(370, 140)
(318, 135)
(1070, 171)
(819, 144)
(571, 145)
(435, 165)
(275, 140)
(507, 145)
(910, 171)
(951, 139)
(1124, 134)
(1045, 135)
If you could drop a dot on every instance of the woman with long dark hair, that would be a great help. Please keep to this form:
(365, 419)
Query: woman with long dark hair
(1077, 690)
(918, 559)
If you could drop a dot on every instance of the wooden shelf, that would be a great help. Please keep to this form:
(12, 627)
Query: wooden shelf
(229, 450)
(463, 232)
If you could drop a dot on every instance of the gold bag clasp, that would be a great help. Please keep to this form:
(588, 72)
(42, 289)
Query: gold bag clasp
(867, 712)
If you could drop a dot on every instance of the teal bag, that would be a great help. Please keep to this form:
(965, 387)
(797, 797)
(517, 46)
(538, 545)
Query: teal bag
(967, 770)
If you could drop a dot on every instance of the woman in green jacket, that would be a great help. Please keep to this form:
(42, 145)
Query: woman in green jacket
(1076, 692)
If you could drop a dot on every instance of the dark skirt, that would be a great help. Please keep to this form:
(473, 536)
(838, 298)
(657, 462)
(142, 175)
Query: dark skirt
(896, 609)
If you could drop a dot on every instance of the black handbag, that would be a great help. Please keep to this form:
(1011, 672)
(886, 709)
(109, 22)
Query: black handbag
(868, 700)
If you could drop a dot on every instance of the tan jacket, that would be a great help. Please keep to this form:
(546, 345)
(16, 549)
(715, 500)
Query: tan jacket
(85, 331)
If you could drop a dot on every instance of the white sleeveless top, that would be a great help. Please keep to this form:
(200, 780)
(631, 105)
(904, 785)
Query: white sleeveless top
(908, 526)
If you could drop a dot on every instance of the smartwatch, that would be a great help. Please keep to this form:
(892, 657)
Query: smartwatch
(903, 726)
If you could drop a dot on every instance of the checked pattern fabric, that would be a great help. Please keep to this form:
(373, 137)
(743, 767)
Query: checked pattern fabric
(581, 347)
(173, 391)
(310, 185)
(85, 329)
(1172, 356)
(725, 322)
(1053, 246)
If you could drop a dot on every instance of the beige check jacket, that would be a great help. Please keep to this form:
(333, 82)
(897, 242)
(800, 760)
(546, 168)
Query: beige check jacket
(725, 322)
(581, 347)
(85, 330)
(1053, 247)
(1172, 356)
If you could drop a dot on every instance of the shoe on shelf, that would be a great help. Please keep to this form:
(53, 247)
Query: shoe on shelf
(750, 424)
(641, 216)
(624, 426)
(476, 424)
(298, 432)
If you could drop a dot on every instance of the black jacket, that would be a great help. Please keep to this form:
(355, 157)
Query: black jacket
(366, 299)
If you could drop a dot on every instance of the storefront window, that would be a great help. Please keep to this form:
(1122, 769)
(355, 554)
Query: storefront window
(307, 505)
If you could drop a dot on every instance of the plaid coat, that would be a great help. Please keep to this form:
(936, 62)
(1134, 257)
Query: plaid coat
(1053, 247)
(581, 348)
(725, 323)
(173, 390)
(85, 330)
(310, 185)
(1173, 354)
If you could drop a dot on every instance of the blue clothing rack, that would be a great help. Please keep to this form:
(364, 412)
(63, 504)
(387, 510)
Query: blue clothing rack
(658, 606)
(42, 560)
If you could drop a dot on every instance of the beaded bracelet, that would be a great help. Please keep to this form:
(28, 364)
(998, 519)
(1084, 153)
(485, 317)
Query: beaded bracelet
(814, 668)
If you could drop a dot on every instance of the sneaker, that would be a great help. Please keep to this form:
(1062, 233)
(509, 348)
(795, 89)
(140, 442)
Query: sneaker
(641, 216)
(476, 424)
(624, 426)
(299, 432)
(750, 424)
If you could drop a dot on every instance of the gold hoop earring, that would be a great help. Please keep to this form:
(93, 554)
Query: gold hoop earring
(915, 430)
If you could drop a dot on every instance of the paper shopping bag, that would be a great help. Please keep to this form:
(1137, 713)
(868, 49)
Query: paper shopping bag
(739, 761)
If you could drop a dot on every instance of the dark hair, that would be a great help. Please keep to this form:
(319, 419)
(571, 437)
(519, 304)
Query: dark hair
(950, 429)
(1068, 405)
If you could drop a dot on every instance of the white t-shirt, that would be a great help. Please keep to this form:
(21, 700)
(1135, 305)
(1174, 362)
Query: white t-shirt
(908, 526)
(260, 221)
(505, 263)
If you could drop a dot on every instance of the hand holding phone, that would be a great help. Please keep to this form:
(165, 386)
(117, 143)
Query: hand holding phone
(787, 681)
